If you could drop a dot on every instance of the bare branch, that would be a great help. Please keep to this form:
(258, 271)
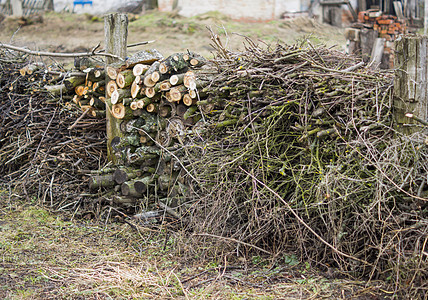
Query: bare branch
(53, 54)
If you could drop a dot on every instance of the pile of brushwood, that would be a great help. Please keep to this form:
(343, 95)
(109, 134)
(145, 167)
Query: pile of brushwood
(284, 148)
(42, 148)
(299, 153)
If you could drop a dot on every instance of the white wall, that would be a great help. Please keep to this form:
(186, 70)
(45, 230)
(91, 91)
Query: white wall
(98, 6)
(252, 10)
(255, 10)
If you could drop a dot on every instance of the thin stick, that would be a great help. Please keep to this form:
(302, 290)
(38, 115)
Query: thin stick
(78, 119)
(53, 54)
(140, 43)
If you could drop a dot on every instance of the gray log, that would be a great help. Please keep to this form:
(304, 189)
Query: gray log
(116, 34)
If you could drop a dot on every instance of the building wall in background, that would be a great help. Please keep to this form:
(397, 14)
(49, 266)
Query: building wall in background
(98, 6)
(249, 10)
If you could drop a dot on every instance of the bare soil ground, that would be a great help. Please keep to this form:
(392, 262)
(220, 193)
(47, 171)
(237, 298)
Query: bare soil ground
(51, 255)
(72, 33)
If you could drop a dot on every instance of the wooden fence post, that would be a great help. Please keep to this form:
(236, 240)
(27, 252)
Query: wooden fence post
(116, 35)
(17, 10)
(411, 83)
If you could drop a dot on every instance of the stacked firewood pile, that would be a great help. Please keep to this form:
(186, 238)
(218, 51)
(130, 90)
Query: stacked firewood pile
(153, 100)
(272, 149)
(43, 150)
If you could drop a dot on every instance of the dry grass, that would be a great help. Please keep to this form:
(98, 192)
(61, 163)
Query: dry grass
(44, 255)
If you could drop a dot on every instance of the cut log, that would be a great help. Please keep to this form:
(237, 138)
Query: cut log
(86, 107)
(180, 62)
(135, 88)
(125, 78)
(176, 93)
(71, 82)
(119, 94)
(143, 102)
(166, 109)
(127, 101)
(138, 80)
(89, 84)
(150, 170)
(167, 181)
(140, 157)
(148, 75)
(99, 181)
(139, 69)
(133, 105)
(76, 99)
(173, 64)
(152, 108)
(99, 86)
(97, 103)
(142, 185)
(148, 81)
(81, 90)
(150, 92)
(124, 174)
(119, 111)
(112, 72)
(181, 110)
(167, 96)
(144, 57)
(111, 87)
(206, 108)
(188, 100)
(30, 68)
(165, 86)
(101, 114)
(176, 79)
(156, 76)
(189, 80)
(99, 73)
(195, 62)
(128, 189)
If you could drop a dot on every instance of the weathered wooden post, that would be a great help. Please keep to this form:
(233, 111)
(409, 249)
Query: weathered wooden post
(17, 9)
(116, 35)
(411, 83)
(426, 17)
